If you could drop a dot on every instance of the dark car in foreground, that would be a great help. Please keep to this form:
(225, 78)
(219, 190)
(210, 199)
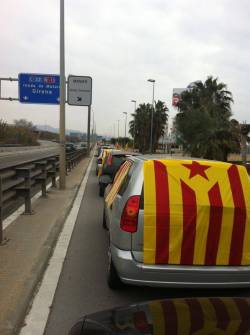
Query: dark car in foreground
(190, 316)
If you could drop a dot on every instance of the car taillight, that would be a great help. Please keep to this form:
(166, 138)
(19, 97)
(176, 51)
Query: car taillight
(130, 213)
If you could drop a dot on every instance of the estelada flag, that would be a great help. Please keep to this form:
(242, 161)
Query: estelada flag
(186, 316)
(202, 316)
(196, 213)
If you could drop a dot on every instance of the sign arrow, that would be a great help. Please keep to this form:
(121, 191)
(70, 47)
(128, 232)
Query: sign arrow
(26, 98)
(79, 99)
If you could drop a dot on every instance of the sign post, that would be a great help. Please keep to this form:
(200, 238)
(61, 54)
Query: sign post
(89, 121)
(80, 94)
(62, 166)
(34, 88)
(177, 96)
(79, 90)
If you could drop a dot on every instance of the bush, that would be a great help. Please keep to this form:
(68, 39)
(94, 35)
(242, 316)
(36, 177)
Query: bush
(17, 135)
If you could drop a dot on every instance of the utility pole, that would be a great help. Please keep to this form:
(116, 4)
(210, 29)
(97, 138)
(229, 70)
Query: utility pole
(152, 115)
(134, 101)
(125, 132)
(88, 136)
(93, 125)
(118, 130)
(62, 163)
(244, 130)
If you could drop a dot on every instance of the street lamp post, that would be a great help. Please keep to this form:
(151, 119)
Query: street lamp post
(93, 125)
(152, 115)
(62, 163)
(134, 101)
(125, 132)
(118, 130)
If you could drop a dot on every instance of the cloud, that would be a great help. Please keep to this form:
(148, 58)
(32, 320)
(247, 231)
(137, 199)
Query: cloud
(121, 44)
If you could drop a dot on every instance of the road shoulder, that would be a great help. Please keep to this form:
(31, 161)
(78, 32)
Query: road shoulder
(31, 240)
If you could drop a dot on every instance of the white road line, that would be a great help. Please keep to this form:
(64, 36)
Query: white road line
(35, 321)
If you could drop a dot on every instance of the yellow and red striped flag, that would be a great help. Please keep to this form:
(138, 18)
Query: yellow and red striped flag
(202, 316)
(119, 178)
(104, 155)
(196, 213)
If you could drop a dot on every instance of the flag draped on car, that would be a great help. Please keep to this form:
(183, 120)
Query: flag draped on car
(186, 316)
(196, 213)
(119, 178)
(200, 316)
(104, 155)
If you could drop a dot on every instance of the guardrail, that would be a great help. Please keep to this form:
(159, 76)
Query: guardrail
(19, 183)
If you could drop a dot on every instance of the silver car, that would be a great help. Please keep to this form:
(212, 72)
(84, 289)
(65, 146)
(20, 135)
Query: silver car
(125, 253)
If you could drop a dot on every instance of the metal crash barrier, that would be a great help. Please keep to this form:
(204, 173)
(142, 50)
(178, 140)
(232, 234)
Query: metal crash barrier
(19, 183)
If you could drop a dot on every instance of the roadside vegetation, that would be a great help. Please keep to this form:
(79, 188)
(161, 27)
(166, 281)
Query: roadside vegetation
(22, 132)
(203, 122)
(122, 141)
(140, 126)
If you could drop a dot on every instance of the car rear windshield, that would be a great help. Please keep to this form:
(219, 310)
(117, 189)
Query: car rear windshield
(118, 160)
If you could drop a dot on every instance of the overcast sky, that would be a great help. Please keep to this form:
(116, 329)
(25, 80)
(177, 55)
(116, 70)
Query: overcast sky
(122, 43)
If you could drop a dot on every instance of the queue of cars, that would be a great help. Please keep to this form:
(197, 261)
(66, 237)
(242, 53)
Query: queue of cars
(176, 222)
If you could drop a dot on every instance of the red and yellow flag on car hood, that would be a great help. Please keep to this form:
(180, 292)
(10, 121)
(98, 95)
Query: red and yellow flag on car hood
(187, 316)
(203, 316)
(196, 213)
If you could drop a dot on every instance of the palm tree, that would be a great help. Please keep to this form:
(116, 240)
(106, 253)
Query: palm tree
(159, 122)
(139, 127)
(203, 120)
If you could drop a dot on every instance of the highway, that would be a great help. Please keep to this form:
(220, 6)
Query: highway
(82, 287)
(14, 156)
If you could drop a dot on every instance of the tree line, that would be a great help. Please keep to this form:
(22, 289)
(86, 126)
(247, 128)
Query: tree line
(203, 124)
(140, 125)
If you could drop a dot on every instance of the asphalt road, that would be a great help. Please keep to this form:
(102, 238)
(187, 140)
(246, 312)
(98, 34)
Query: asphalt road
(82, 287)
(8, 159)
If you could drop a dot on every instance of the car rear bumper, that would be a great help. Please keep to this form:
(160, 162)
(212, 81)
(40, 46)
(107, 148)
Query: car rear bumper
(132, 272)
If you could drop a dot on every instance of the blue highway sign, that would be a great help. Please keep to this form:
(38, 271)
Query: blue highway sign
(39, 88)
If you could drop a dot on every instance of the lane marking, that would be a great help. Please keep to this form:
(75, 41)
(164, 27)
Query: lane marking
(36, 320)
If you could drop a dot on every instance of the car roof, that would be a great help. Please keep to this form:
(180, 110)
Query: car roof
(122, 153)
(166, 156)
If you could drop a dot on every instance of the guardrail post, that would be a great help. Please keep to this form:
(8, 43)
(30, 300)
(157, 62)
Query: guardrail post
(44, 195)
(27, 199)
(43, 177)
(25, 191)
(1, 211)
(52, 172)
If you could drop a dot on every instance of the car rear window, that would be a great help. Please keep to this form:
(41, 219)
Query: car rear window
(126, 181)
(112, 168)
(117, 161)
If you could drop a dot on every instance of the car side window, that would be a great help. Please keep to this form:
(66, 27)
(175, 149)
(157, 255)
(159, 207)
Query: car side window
(126, 181)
